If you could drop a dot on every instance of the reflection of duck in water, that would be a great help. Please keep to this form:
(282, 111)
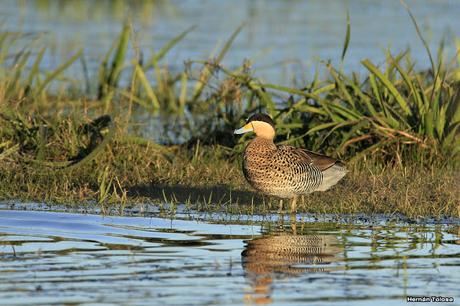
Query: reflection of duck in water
(269, 258)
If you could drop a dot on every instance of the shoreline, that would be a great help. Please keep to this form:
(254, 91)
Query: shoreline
(181, 212)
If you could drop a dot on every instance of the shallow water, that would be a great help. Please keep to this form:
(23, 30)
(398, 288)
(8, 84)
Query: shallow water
(283, 38)
(66, 258)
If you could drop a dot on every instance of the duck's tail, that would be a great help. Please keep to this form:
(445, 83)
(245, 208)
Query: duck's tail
(332, 175)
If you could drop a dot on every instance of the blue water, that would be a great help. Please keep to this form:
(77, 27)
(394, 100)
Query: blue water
(284, 39)
(54, 258)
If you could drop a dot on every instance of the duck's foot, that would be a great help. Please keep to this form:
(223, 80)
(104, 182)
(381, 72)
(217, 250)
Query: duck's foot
(293, 222)
(294, 205)
(280, 209)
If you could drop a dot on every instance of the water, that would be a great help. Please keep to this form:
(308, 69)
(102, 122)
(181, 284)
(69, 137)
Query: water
(83, 259)
(284, 39)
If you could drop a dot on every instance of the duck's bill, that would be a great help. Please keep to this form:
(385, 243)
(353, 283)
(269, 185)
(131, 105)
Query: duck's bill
(245, 129)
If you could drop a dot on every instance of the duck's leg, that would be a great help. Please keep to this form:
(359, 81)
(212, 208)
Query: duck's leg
(294, 205)
(280, 209)
(293, 224)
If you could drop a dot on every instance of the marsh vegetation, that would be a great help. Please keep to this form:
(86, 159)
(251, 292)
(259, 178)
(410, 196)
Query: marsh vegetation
(73, 140)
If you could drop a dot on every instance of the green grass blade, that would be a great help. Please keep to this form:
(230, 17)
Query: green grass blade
(183, 92)
(169, 45)
(58, 71)
(323, 89)
(339, 80)
(35, 70)
(320, 127)
(148, 88)
(264, 97)
(289, 90)
(347, 38)
(374, 70)
(104, 73)
(14, 82)
(207, 70)
(119, 57)
(305, 108)
(228, 44)
(415, 93)
(348, 113)
(419, 33)
(310, 131)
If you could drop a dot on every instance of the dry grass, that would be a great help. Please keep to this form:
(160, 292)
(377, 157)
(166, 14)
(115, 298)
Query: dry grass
(210, 178)
(412, 191)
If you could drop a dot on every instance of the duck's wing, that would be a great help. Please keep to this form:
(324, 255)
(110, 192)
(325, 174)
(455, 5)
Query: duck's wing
(322, 162)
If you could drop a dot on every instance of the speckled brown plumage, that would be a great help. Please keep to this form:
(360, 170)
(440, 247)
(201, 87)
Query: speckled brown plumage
(285, 171)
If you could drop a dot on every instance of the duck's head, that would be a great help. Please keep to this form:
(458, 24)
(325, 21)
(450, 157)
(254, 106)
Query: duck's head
(261, 124)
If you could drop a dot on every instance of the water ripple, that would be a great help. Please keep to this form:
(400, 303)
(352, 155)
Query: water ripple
(63, 258)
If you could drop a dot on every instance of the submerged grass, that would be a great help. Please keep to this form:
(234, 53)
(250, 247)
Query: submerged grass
(397, 127)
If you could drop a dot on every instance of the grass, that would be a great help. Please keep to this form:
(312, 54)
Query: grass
(207, 178)
(61, 141)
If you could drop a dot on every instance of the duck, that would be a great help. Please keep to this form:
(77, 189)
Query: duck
(285, 171)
